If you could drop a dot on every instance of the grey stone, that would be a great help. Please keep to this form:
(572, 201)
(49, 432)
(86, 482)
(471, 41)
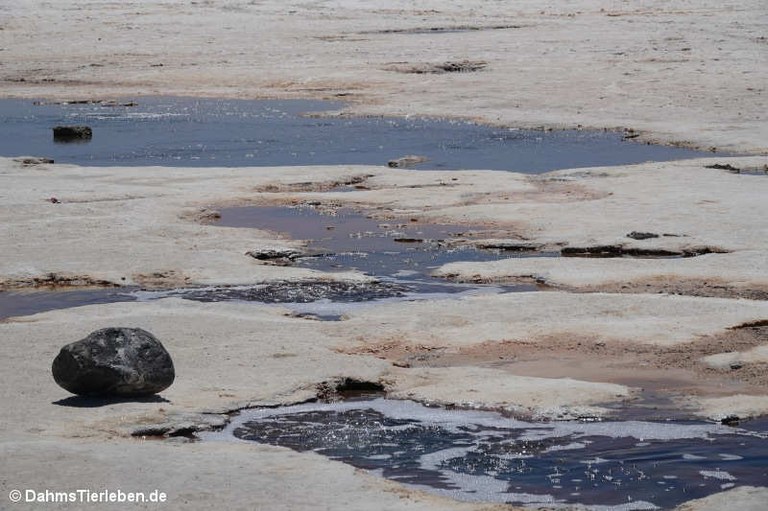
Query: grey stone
(126, 362)
(407, 161)
(635, 235)
(275, 255)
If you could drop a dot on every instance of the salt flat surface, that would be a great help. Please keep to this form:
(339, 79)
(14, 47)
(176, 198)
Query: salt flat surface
(672, 71)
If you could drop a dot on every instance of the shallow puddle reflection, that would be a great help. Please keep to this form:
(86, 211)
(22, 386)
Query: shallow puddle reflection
(203, 132)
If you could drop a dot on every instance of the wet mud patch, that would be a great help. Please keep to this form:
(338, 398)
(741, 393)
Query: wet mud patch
(458, 66)
(448, 29)
(487, 457)
(352, 183)
(197, 132)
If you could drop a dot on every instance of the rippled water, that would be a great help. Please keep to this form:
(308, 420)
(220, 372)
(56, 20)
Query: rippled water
(483, 456)
(174, 131)
(398, 250)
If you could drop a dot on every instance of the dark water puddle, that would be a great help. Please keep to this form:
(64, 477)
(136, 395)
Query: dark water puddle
(190, 132)
(24, 303)
(483, 456)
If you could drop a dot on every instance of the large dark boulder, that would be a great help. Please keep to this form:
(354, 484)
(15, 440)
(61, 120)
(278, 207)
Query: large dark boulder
(114, 362)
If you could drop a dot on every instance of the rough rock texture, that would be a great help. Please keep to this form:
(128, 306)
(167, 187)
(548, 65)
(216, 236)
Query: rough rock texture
(114, 361)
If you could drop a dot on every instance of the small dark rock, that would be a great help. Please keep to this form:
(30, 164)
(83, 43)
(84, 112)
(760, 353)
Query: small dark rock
(406, 161)
(630, 134)
(464, 66)
(508, 246)
(720, 166)
(635, 235)
(32, 160)
(736, 365)
(275, 256)
(72, 133)
(114, 362)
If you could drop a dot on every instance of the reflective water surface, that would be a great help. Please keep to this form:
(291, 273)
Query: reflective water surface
(196, 132)
(483, 456)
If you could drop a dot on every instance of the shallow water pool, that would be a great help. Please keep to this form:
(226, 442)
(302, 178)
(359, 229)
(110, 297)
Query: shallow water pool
(194, 132)
(486, 457)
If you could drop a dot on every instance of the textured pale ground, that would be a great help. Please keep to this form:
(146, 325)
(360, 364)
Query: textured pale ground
(207, 476)
(682, 72)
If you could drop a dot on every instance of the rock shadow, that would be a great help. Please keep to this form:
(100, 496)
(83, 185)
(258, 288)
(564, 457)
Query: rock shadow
(99, 401)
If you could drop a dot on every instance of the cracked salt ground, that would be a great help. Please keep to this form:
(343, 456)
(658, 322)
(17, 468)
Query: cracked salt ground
(484, 456)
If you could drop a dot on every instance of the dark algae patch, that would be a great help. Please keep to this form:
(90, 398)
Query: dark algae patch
(191, 132)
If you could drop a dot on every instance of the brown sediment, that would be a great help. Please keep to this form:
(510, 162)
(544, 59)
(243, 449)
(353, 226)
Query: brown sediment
(166, 279)
(357, 182)
(203, 215)
(443, 29)
(549, 191)
(711, 288)
(677, 369)
(53, 280)
(663, 284)
(462, 66)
